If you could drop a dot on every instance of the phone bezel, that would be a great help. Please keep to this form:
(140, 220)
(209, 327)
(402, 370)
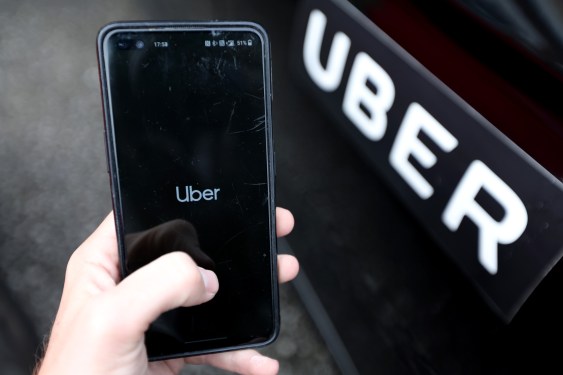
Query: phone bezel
(109, 137)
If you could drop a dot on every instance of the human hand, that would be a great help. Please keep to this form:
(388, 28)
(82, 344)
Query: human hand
(101, 322)
(148, 245)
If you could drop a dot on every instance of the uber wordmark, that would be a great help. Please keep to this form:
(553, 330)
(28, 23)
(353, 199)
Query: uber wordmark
(367, 110)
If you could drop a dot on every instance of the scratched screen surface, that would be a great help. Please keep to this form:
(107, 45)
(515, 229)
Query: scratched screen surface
(189, 122)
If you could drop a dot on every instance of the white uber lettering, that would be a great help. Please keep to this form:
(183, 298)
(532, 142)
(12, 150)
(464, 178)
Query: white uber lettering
(407, 143)
(329, 78)
(368, 97)
(491, 232)
(365, 108)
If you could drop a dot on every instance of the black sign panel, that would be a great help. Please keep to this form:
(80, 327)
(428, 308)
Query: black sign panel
(490, 206)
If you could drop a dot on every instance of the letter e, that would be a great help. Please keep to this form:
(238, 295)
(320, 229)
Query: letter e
(407, 143)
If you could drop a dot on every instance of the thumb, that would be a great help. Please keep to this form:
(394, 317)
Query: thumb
(171, 281)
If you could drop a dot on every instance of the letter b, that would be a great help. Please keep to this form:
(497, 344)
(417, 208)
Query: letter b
(195, 195)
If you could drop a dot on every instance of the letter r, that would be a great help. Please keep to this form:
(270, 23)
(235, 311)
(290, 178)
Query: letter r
(491, 232)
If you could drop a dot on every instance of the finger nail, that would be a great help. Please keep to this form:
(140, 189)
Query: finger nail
(209, 280)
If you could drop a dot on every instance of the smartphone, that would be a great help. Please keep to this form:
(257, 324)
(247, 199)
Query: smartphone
(188, 130)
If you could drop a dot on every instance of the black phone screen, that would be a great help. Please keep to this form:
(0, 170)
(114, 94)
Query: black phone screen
(190, 151)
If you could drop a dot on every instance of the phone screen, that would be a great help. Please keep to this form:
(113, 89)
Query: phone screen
(190, 153)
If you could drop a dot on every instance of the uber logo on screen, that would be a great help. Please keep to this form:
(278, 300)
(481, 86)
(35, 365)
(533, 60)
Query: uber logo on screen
(189, 194)
(441, 155)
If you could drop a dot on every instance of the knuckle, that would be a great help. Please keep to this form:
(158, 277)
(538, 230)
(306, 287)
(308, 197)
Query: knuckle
(184, 270)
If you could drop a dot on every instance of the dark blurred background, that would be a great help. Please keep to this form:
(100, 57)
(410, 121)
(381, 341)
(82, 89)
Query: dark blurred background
(54, 188)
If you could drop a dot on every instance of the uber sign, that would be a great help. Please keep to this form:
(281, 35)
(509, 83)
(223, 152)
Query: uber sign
(493, 209)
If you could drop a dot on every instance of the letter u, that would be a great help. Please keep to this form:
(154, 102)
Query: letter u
(182, 200)
(327, 79)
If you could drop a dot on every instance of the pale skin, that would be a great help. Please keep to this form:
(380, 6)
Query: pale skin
(101, 321)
